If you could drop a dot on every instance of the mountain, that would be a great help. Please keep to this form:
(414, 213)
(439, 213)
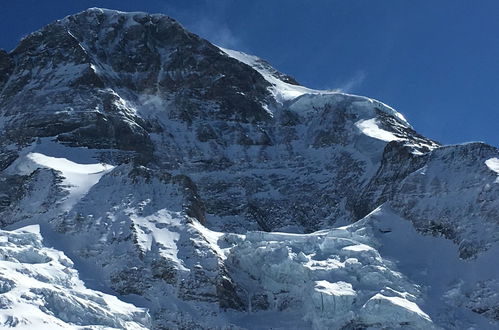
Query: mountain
(150, 179)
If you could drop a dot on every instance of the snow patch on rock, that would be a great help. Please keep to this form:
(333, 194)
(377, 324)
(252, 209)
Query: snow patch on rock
(78, 178)
(493, 165)
(370, 128)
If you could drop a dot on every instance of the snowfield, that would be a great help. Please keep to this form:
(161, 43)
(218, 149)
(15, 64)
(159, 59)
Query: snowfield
(77, 178)
(370, 128)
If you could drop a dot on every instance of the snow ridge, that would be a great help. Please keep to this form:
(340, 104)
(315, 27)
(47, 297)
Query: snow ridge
(284, 91)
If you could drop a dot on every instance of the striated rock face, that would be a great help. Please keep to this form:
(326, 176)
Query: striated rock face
(79, 78)
(156, 161)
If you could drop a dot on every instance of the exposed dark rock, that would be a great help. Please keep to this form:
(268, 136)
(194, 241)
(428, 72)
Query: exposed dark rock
(6, 67)
(162, 269)
(130, 281)
(397, 163)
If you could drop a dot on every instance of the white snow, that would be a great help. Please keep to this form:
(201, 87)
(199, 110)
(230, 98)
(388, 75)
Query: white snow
(40, 289)
(334, 289)
(359, 275)
(66, 166)
(383, 309)
(78, 178)
(212, 237)
(370, 128)
(376, 272)
(148, 232)
(493, 164)
(282, 91)
(326, 279)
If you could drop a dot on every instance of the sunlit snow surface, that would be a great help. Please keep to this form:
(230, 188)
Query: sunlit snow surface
(493, 164)
(330, 278)
(282, 91)
(370, 128)
(78, 178)
(378, 271)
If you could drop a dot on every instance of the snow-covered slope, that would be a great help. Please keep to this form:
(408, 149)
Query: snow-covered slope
(456, 291)
(76, 178)
(40, 289)
(203, 186)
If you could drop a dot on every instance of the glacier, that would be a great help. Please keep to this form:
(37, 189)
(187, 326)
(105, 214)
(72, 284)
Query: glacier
(150, 179)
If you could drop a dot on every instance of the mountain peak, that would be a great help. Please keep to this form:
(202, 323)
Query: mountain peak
(138, 17)
(189, 179)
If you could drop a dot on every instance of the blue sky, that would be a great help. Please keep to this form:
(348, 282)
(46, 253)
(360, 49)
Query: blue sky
(437, 62)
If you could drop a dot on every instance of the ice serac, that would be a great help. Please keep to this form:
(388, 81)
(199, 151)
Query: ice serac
(40, 289)
(206, 187)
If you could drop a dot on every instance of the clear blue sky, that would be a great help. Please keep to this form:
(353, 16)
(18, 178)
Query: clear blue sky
(437, 62)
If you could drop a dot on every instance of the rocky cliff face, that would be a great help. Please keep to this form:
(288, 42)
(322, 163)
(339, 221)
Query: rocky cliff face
(150, 157)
